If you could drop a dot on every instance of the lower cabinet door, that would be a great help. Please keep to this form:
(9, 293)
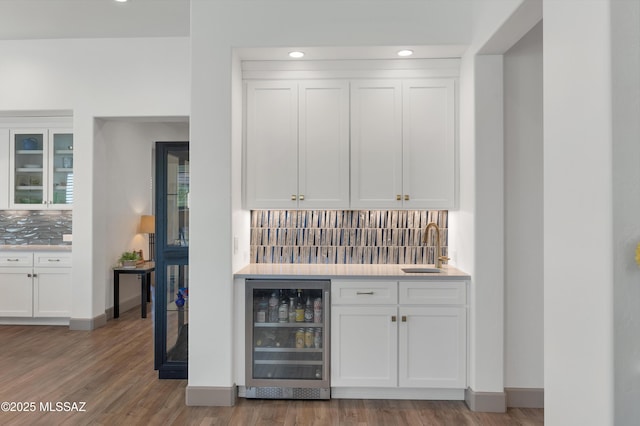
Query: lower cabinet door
(364, 346)
(17, 291)
(433, 347)
(52, 292)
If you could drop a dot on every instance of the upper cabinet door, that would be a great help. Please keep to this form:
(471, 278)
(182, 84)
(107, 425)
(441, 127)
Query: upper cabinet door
(428, 131)
(271, 145)
(323, 143)
(376, 144)
(28, 165)
(60, 176)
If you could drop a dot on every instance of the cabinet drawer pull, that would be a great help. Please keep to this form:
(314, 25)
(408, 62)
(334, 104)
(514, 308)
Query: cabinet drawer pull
(13, 260)
(363, 292)
(406, 197)
(53, 260)
(404, 318)
(393, 318)
(398, 197)
(293, 198)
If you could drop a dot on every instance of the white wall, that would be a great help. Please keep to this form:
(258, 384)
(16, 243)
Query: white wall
(578, 222)
(524, 307)
(625, 40)
(94, 78)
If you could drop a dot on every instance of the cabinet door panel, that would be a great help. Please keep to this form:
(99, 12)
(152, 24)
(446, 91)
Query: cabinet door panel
(28, 162)
(432, 347)
(324, 144)
(16, 288)
(428, 131)
(272, 144)
(376, 144)
(60, 176)
(363, 346)
(52, 292)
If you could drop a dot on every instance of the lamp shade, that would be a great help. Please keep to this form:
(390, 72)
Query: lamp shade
(147, 224)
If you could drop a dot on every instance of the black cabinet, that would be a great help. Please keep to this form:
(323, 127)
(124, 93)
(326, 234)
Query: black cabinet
(171, 297)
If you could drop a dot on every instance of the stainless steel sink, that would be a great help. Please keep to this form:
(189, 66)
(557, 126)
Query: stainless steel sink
(421, 270)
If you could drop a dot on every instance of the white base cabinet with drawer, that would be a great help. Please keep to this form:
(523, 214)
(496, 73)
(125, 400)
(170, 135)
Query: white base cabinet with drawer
(404, 339)
(36, 286)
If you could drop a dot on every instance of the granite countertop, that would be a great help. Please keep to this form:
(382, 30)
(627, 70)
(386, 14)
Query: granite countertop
(34, 247)
(305, 271)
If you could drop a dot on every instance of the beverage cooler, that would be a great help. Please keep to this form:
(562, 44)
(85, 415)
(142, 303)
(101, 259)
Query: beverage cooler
(287, 339)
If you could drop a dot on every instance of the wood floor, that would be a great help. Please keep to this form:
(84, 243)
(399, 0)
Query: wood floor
(110, 370)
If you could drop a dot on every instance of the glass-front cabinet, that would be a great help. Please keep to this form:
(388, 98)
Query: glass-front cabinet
(41, 162)
(171, 297)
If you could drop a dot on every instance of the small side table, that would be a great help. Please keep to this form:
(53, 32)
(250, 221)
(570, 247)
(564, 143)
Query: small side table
(144, 271)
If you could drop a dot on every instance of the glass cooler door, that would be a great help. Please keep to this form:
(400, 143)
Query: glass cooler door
(287, 333)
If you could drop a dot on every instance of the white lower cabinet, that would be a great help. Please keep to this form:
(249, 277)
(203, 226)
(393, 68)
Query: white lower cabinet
(363, 348)
(35, 285)
(416, 340)
(17, 290)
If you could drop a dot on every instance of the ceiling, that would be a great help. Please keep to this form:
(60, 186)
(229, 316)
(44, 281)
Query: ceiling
(44, 19)
(63, 19)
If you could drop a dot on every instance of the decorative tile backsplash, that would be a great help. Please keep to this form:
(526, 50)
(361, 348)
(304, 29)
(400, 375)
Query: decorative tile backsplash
(345, 236)
(34, 227)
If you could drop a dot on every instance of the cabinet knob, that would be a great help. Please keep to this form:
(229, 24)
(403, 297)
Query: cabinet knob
(398, 197)
(29, 275)
(44, 202)
(35, 275)
(393, 318)
(404, 318)
(406, 197)
(293, 198)
(301, 198)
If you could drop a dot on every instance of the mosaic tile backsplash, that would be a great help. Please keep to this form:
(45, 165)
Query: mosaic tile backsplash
(345, 236)
(34, 227)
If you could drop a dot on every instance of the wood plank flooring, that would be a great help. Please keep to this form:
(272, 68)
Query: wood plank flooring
(111, 370)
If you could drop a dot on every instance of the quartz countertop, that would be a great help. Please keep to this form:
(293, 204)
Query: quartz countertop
(35, 247)
(306, 271)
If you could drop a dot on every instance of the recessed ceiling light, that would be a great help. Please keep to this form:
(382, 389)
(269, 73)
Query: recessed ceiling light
(405, 52)
(121, 1)
(296, 54)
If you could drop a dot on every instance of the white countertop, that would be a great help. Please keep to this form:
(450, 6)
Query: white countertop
(35, 247)
(284, 271)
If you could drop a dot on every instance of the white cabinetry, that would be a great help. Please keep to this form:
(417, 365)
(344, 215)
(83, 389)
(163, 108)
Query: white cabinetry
(16, 284)
(41, 168)
(35, 284)
(407, 334)
(297, 144)
(403, 144)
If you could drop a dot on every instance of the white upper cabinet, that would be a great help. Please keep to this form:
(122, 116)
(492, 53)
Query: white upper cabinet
(297, 146)
(428, 143)
(323, 157)
(272, 144)
(41, 169)
(376, 144)
(403, 144)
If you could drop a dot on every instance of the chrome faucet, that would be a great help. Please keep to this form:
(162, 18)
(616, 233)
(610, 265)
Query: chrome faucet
(438, 259)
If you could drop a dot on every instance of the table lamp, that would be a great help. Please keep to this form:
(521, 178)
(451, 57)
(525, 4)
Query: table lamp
(148, 226)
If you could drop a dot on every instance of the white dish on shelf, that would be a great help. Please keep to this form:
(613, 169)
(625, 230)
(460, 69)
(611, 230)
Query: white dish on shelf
(32, 166)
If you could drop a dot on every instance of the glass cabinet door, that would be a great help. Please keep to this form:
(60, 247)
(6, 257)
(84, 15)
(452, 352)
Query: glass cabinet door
(61, 168)
(42, 169)
(171, 303)
(29, 153)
